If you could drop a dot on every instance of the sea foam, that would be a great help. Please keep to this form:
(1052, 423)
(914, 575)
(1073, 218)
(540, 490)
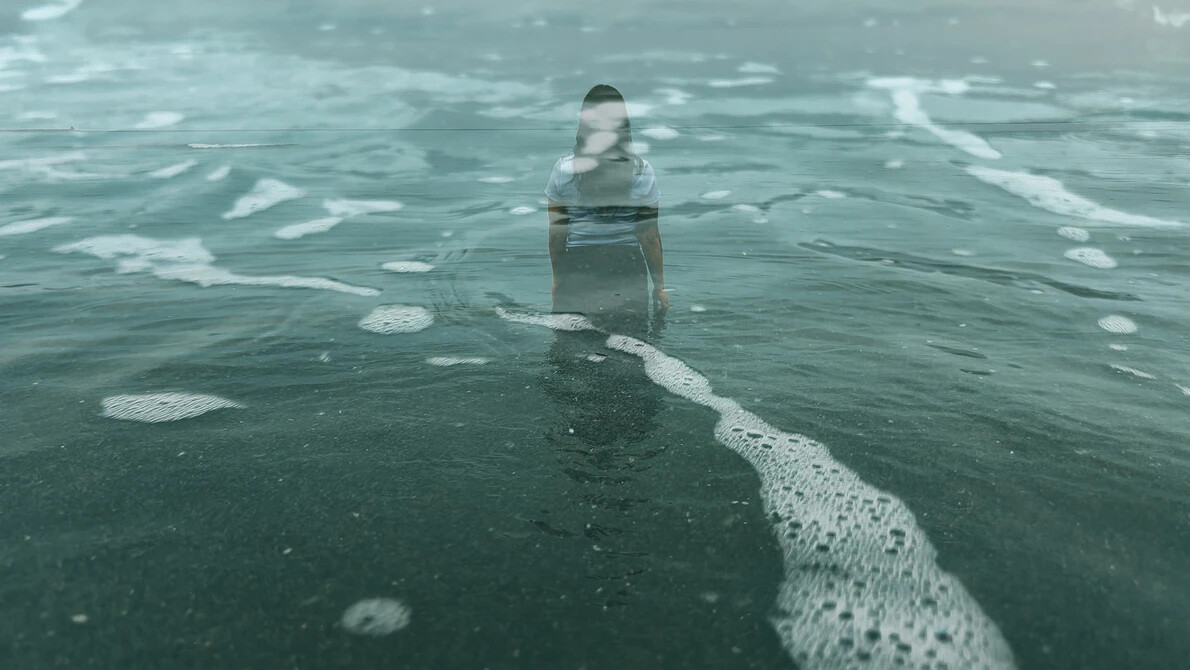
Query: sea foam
(189, 261)
(48, 12)
(297, 230)
(1049, 194)
(905, 92)
(161, 407)
(173, 170)
(1093, 257)
(33, 225)
(265, 194)
(862, 585)
(375, 617)
(157, 120)
(393, 319)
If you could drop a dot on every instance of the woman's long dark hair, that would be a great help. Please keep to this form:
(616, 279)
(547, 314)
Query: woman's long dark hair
(605, 162)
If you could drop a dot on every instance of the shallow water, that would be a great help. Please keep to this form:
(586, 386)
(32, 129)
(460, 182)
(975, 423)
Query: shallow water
(279, 386)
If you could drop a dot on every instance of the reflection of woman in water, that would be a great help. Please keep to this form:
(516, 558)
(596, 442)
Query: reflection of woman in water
(603, 220)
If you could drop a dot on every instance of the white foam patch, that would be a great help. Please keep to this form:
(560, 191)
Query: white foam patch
(199, 145)
(905, 91)
(219, 173)
(1040, 63)
(962, 252)
(41, 164)
(448, 361)
(831, 195)
(162, 407)
(521, 211)
(743, 207)
(743, 81)
(1049, 194)
(861, 586)
(407, 266)
(173, 170)
(156, 120)
(1172, 19)
(33, 225)
(1093, 257)
(265, 194)
(758, 68)
(297, 230)
(349, 208)
(1047, 85)
(697, 308)
(37, 116)
(1118, 347)
(49, 12)
(566, 322)
(1185, 390)
(660, 133)
(189, 261)
(393, 319)
(895, 164)
(1114, 323)
(376, 617)
(1074, 233)
(1133, 371)
(495, 180)
(716, 195)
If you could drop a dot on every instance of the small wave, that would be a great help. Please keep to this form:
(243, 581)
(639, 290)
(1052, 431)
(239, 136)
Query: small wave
(266, 193)
(50, 12)
(33, 225)
(173, 170)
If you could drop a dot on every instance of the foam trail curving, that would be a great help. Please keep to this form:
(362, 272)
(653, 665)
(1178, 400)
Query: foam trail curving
(189, 261)
(161, 407)
(862, 586)
(265, 194)
(1049, 194)
(905, 90)
(33, 225)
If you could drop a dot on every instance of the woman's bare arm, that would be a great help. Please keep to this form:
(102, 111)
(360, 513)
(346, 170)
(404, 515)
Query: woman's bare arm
(649, 236)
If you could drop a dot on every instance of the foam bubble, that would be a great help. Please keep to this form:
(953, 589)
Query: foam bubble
(173, 170)
(567, 322)
(33, 225)
(660, 133)
(265, 194)
(716, 195)
(161, 407)
(905, 91)
(156, 120)
(199, 145)
(448, 361)
(219, 173)
(375, 617)
(1172, 19)
(831, 195)
(349, 208)
(188, 260)
(393, 319)
(495, 180)
(1075, 234)
(758, 68)
(293, 232)
(520, 211)
(1049, 194)
(743, 81)
(861, 580)
(48, 12)
(1093, 257)
(407, 266)
(1114, 323)
(1133, 371)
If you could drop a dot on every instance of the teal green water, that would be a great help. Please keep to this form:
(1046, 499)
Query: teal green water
(934, 258)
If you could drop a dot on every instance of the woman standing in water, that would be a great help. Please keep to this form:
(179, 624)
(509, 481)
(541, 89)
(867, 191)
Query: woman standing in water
(603, 234)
